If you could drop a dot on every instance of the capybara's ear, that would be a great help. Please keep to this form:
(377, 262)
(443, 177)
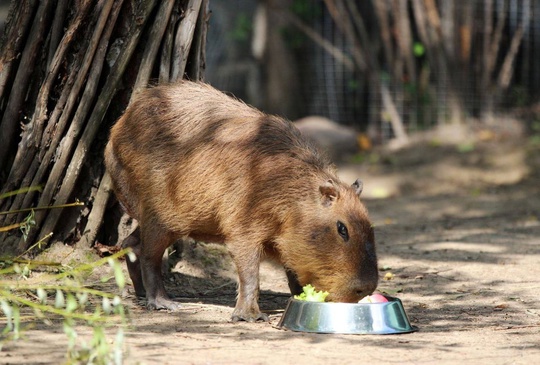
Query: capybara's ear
(329, 192)
(358, 186)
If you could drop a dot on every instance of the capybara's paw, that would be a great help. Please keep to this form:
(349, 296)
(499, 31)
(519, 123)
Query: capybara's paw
(249, 316)
(164, 304)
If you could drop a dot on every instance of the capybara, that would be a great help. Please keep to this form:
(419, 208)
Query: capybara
(188, 160)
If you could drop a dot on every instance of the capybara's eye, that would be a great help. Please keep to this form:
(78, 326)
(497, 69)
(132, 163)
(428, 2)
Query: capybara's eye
(342, 230)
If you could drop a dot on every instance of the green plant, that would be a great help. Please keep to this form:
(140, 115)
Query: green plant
(242, 28)
(306, 10)
(418, 49)
(29, 221)
(63, 296)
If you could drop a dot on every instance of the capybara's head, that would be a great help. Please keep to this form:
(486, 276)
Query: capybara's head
(335, 245)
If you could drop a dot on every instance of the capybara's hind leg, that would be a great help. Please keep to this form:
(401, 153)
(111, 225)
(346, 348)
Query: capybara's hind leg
(133, 241)
(154, 243)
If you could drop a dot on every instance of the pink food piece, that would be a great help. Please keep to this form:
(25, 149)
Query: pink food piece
(374, 298)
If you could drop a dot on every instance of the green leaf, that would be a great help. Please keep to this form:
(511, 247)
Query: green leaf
(27, 224)
(116, 301)
(70, 333)
(106, 304)
(42, 295)
(312, 295)
(131, 256)
(59, 301)
(16, 323)
(8, 311)
(418, 49)
(83, 298)
(71, 303)
(26, 271)
(118, 274)
(118, 353)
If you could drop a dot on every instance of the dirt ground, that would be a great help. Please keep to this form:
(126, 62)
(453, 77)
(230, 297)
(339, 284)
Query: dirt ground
(458, 230)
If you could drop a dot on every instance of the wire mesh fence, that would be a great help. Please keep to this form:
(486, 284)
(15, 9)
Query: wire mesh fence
(441, 61)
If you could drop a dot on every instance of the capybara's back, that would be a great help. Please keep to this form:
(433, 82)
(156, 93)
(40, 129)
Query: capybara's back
(187, 160)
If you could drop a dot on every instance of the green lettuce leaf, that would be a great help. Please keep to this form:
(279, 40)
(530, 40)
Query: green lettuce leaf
(311, 295)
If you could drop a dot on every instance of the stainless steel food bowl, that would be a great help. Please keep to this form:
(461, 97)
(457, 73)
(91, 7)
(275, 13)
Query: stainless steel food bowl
(346, 318)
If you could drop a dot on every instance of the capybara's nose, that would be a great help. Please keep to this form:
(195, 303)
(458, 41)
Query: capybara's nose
(363, 289)
(363, 292)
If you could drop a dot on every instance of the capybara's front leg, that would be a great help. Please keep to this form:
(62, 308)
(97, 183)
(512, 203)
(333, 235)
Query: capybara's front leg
(133, 241)
(154, 243)
(247, 260)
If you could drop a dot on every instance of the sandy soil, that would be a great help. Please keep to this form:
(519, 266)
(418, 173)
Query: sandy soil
(458, 228)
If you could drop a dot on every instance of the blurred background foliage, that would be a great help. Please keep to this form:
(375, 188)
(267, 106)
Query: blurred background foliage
(451, 61)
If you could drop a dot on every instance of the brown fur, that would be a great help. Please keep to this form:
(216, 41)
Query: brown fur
(187, 160)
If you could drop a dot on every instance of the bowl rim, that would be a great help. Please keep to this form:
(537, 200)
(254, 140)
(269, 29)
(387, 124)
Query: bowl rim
(390, 299)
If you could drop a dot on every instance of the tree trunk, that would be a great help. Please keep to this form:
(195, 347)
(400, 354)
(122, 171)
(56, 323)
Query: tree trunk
(68, 69)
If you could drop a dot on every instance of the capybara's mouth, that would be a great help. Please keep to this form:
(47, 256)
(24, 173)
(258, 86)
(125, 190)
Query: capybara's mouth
(344, 297)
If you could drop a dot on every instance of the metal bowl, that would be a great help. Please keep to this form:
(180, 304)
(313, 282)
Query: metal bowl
(346, 318)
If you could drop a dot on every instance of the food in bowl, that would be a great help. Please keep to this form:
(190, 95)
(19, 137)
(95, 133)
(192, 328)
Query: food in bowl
(374, 298)
(311, 295)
